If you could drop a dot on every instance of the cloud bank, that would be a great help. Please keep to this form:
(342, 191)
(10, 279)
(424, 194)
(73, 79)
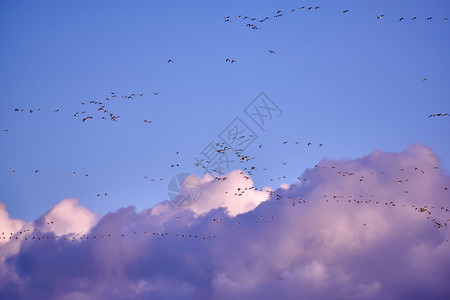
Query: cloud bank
(369, 228)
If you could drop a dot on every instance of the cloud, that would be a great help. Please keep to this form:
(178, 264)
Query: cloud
(233, 192)
(69, 217)
(368, 228)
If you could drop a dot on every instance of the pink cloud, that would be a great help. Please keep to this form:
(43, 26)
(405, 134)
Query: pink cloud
(365, 228)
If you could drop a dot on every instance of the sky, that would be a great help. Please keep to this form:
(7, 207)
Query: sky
(355, 89)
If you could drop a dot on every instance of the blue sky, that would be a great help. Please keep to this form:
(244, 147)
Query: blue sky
(350, 81)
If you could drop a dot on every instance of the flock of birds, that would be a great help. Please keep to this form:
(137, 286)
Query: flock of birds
(280, 13)
(34, 234)
(439, 115)
(102, 111)
(101, 108)
(365, 198)
(223, 148)
(261, 20)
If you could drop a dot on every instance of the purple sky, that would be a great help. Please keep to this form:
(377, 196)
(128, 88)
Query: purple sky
(294, 243)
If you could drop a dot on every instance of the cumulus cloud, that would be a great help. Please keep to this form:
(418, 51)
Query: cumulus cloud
(7, 224)
(368, 228)
(234, 192)
(69, 217)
